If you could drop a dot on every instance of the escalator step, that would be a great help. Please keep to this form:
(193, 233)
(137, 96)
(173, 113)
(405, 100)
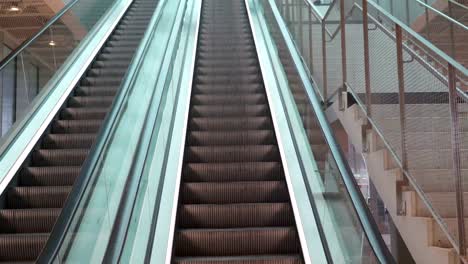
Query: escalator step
(263, 259)
(212, 99)
(229, 110)
(38, 197)
(248, 137)
(90, 101)
(236, 242)
(230, 123)
(85, 113)
(232, 171)
(231, 88)
(234, 192)
(235, 215)
(68, 141)
(21, 247)
(59, 157)
(76, 126)
(246, 153)
(28, 220)
(49, 176)
(96, 90)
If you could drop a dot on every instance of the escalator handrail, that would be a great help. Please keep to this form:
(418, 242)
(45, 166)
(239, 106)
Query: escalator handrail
(25, 44)
(365, 217)
(65, 219)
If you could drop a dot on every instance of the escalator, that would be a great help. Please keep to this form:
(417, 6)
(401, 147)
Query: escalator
(234, 204)
(34, 200)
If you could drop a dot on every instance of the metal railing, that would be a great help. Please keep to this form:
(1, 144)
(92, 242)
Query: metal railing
(419, 110)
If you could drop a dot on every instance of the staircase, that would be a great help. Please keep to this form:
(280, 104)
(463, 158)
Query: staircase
(234, 205)
(33, 204)
(428, 149)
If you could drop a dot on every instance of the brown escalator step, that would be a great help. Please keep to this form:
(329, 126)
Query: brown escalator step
(230, 123)
(252, 259)
(96, 113)
(239, 241)
(76, 126)
(38, 197)
(49, 176)
(245, 153)
(229, 110)
(253, 99)
(233, 171)
(21, 247)
(28, 220)
(227, 90)
(228, 71)
(68, 141)
(235, 215)
(96, 90)
(234, 192)
(59, 157)
(252, 137)
(91, 101)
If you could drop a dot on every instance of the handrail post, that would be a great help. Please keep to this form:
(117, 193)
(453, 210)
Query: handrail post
(401, 208)
(365, 33)
(452, 32)
(324, 63)
(301, 31)
(455, 127)
(426, 14)
(343, 41)
(311, 57)
(401, 92)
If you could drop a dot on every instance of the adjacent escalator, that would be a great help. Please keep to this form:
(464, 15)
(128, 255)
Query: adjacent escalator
(33, 202)
(234, 204)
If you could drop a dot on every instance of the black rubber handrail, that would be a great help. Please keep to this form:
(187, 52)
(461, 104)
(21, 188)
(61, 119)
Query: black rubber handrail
(29, 41)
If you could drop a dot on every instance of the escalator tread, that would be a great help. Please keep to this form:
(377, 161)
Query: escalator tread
(45, 180)
(234, 205)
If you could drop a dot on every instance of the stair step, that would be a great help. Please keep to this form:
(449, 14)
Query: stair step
(21, 247)
(84, 113)
(230, 123)
(258, 259)
(229, 110)
(28, 220)
(49, 176)
(59, 157)
(248, 137)
(68, 141)
(228, 89)
(235, 215)
(246, 153)
(234, 192)
(236, 242)
(76, 126)
(215, 99)
(232, 171)
(38, 197)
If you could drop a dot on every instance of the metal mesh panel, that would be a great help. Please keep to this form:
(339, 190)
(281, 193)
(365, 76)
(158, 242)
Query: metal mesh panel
(355, 59)
(333, 51)
(384, 86)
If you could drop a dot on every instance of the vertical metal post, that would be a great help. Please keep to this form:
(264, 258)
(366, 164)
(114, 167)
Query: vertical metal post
(452, 32)
(343, 41)
(324, 63)
(301, 31)
(311, 57)
(401, 207)
(408, 22)
(365, 32)
(401, 92)
(456, 159)
(426, 14)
